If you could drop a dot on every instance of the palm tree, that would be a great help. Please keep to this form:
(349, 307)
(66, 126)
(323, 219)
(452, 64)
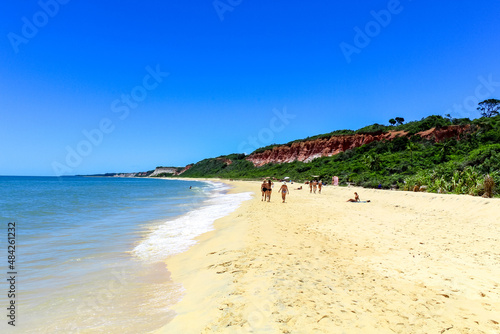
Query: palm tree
(411, 146)
(372, 161)
(444, 149)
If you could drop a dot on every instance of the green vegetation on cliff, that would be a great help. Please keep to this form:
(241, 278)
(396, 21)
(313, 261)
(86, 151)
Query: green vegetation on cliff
(451, 166)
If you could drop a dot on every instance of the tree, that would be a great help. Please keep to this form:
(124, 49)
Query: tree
(372, 161)
(400, 120)
(392, 121)
(448, 116)
(411, 146)
(444, 149)
(489, 108)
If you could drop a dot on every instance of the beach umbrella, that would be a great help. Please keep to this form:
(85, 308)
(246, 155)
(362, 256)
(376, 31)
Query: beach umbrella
(286, 178)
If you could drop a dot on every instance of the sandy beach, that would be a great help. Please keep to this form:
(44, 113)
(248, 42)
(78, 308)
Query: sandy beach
(404, 263)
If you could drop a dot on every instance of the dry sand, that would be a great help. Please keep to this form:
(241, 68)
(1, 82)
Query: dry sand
(403, 263)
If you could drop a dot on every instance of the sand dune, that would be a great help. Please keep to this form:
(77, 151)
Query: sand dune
(403, 263)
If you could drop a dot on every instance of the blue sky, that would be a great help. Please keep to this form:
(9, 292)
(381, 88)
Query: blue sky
(122, 86)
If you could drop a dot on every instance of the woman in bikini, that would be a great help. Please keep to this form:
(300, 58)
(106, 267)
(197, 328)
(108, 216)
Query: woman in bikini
(284, 190)
(315, 185)
(356, 198)
(269, 190)
(263, 189)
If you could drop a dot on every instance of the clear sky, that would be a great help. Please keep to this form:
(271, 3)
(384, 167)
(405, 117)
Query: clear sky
(123, 86)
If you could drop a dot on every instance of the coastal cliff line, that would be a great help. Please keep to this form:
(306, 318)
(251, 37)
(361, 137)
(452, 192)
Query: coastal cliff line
(159, 171)
(309, 150)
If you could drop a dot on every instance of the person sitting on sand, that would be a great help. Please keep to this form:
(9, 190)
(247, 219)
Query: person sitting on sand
(284, 190)
(356, 198)
(263, 188)
(299, 188)
(269, 190)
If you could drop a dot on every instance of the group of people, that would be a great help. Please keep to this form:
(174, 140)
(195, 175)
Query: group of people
(267, 188)
(315, 185)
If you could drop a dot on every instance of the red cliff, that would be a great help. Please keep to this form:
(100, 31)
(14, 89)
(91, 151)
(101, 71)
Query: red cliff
(308, 150)
(184, 169)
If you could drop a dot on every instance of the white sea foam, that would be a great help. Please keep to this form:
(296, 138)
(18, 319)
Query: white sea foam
(177, 235)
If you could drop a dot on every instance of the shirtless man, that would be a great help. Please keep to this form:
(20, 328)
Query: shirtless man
(310, 187)
(320, 185)
(284, 190)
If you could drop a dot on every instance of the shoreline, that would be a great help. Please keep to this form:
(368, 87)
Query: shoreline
(405, 262)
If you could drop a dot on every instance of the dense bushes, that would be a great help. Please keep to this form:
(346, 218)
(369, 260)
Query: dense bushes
(468, 181)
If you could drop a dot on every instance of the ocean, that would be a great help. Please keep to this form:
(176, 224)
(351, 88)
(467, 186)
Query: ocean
(90, 251)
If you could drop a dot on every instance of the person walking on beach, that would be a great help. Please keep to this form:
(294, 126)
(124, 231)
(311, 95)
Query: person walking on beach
(263, 189)
(320, 185)
(310, 187)
(315, 186)
(356, 198)
(284, 190)
(269, 190)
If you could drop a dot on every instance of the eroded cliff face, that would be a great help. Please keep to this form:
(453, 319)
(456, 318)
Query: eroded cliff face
(312, 149)
(454, 131)
(185, 169)
(169, 170)
(164, 170)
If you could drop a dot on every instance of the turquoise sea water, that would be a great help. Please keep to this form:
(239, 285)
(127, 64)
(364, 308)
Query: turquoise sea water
(90, 251)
